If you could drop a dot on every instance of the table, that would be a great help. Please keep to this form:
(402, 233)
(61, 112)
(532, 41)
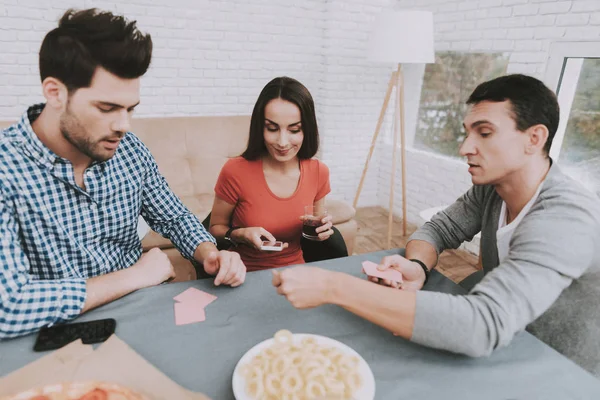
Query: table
(202, 356)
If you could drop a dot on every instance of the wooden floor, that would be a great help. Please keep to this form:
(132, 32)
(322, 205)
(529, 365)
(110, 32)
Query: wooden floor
(372, 236)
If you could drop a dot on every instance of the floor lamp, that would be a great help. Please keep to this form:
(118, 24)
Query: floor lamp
(398, 37)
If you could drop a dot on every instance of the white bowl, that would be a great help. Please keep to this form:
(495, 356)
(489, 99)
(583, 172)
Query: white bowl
(366, 392)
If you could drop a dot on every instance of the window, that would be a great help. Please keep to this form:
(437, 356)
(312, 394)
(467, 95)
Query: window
(574, 69)
(446, 86)
(580, 150)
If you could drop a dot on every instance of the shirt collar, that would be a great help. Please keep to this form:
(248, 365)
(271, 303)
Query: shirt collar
(30, 142)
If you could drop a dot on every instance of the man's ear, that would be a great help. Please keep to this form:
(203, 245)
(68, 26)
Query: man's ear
(538, 136)
(56, 93)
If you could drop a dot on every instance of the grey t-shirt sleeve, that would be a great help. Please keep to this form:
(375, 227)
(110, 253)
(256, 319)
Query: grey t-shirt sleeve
(459, 222)
(554, 244)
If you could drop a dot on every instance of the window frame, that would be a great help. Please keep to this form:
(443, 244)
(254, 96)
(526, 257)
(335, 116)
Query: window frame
(562, 76)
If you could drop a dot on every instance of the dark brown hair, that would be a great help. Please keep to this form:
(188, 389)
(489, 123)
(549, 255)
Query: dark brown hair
(87, 39)
(293, 91)
(531, 101)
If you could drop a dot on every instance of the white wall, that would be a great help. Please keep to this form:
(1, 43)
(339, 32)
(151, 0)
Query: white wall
(213, 57)
(353, 93)
(210, 57)
(523, 28)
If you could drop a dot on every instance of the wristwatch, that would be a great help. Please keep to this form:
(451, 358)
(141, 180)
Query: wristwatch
(228, 235)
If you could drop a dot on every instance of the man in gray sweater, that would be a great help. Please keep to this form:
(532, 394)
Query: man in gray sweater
(540, 241)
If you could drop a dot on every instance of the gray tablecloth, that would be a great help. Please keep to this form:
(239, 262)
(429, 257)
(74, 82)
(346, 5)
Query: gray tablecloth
(202, 356)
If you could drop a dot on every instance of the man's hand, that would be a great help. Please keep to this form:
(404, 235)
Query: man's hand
(227, 266)
(412, 274)
(304, 287)
(153, 268)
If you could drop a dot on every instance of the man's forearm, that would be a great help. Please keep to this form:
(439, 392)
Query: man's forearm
(106, 288)
(423, 251)
(185, 232)
(389, 308)
(63, 300)
(40, 302)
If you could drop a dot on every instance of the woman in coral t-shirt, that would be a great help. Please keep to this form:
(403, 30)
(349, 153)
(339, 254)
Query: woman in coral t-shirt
(261, 195)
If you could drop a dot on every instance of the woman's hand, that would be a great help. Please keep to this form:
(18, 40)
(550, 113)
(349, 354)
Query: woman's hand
(253, 237)
(324, 231)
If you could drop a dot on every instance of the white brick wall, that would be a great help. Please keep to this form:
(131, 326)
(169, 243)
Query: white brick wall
(213, 57)
(353, 92)
(209, 57)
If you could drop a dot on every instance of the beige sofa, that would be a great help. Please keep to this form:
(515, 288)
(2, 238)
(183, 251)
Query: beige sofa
(190, 152)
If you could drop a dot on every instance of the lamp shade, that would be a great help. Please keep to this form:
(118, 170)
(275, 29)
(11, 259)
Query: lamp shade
(402, 37)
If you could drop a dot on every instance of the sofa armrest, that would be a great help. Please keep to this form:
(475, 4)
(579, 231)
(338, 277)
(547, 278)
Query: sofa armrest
(349, 230)
(340, 211)
(342, 214)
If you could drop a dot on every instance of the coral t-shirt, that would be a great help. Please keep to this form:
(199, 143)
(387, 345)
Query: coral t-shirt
(242, 183)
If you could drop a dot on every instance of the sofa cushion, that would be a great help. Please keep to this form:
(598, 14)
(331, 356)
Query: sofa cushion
(190, 151)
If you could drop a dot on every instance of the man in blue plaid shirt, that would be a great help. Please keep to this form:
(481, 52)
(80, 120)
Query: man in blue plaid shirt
(74, 181)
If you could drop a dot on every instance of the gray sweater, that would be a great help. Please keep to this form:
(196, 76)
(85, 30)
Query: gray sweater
(549, 282)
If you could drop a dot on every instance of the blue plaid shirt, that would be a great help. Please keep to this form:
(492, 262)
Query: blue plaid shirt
(54, 235)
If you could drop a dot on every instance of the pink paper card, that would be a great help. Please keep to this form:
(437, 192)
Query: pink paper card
(370, 268)
(188, 313)
(195, 296)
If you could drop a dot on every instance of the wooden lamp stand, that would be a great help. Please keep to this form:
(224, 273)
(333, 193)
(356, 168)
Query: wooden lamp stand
(397, 82)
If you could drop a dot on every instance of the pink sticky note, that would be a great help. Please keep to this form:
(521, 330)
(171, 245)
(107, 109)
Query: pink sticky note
(195, 296)
(188, 313)
(370, 268)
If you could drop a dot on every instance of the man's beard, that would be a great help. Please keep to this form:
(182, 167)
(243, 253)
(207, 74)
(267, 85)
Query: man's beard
(76, 134)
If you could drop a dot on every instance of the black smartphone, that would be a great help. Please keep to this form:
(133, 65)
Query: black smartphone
(56, 336)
